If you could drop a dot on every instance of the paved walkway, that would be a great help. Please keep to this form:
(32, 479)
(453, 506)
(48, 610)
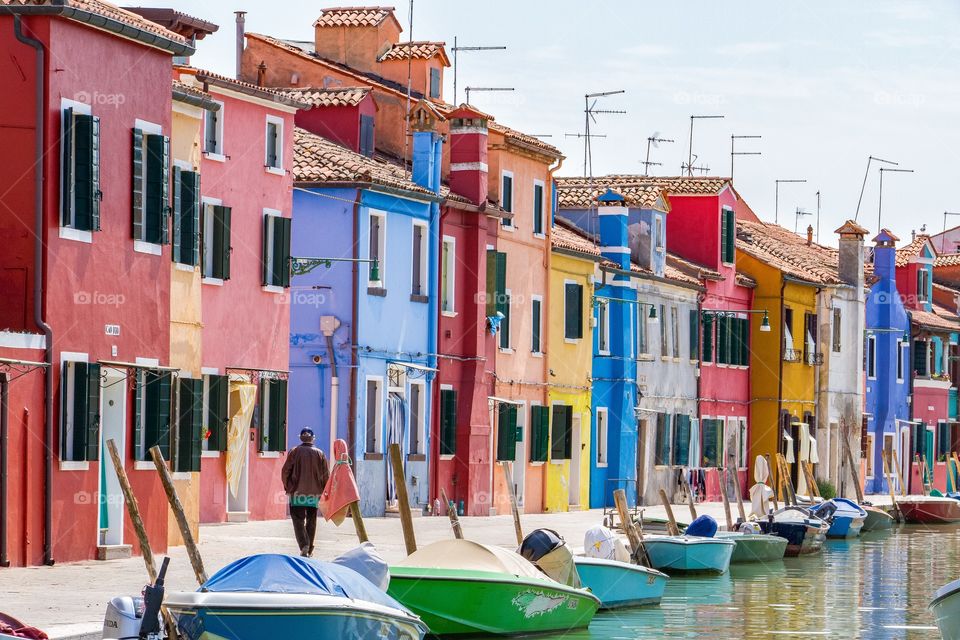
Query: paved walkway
(69, 600)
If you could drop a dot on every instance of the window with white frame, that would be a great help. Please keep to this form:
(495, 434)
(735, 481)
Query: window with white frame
(79, 168)
(900, 360)
(602, 417)
(536, 323)
(836, 329)
(506, 198)
(505, 324)
(659, 233)
(378, 246)
(374, 415)
(273, 152)
(742, 458)
(603, 327)
(923, 284)
(643, 346)
(213, 131)
(675, 327)
(448, 262)
(538, 207)
(418, 418)
(420, 260)
(276, 249)
(215, 239)
(872, 357)
(664, 336)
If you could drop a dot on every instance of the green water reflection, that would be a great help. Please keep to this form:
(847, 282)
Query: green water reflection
(876, 587)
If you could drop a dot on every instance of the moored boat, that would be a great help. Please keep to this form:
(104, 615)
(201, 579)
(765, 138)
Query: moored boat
(689, 553)
(621, 584)
(929, 509)
(273, 595)
(754, 547)
(844, 516)
(877, 519)
(946, 610)
(805, 534)
(460, 587)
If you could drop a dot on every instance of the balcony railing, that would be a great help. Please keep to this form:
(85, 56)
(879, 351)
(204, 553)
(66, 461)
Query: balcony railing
(814, 359)
(792, 355)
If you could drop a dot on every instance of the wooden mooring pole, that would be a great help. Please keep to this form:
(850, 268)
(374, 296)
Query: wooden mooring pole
(671, 521)
(452, 514)
(166, 479)
(507, 476)
(403, 501)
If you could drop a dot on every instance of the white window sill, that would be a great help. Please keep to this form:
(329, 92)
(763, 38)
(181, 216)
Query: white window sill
(449, 314)
(646, 357)
(510, 228)
(216, 157)
(181, 475)
(269, 454)
(506, 350)
(572, 340)
(557, 462)
(538, 463)
(537, 354)
(376, 284)
(665, 358)
(601, 465)
(147, 247)
(603, 352)
(448, 457)
(277, 171)
(216, 282)
(77, 235)
(179, 266)
(675, 359)
(144, 465)
(272, 288)
(541, 236)
(71, 465)
(692, 361)
(209, 454)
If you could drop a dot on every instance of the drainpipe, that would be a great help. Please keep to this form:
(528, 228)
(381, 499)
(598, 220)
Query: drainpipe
(783, 286)
(334, 395)
(433, 313)
(354, 333)
(38, 177)
(4, 443)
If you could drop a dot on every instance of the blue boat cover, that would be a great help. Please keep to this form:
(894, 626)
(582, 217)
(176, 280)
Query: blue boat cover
(704, 526)
(277, 573)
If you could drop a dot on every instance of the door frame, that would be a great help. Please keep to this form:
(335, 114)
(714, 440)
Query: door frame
(113, 386)
(573, 476)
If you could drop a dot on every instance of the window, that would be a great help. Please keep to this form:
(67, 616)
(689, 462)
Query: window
(870, 454)
(923, 285)
(536, 322)
(539, 433)
(216, 412)
(448, 262)
(151, 179)
(418, 418)
(506, 431)
(538, 208)
(367, 143)
(79, 411)
(659, 234)
(420, 261)
(694, 337)
(723, 339)
(504, 333)
(272, 409)
(572, 311)
(561, 439)
(186, 217)
(900, 359)
(742, 459)
(213, 131)
(216, 241)
(681, 440)
(921, 358)
(434, 82)
(152, 391)
(506, 198)
(788, 346)
(728, 230)
(662, 451)
(601, 436)
(189, 425)
(675, 326)
(374, 417)
(712, 447)
(836, 330)
(708, 337)
(664, 340)
(943, 440)
(80, 194)
(603, 327)
(276, 249)
(643, 345)
(448, 422)
(378, 246)
(872, 357)
(811, 356)
(274, 144)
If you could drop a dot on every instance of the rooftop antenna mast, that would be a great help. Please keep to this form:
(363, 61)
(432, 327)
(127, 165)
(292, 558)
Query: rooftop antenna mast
(943, 236)
(734, 152)
(796, 218)
(880, 196)
(469, 89)
(689, 168)
(456, 49)
(776, 205)
(654, 140)
(590, 112)
(818, 216)
(866, 173)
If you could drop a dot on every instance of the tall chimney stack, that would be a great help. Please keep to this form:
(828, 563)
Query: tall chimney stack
(241, 31)
(468, 154)
(850, 258)
(809, 234)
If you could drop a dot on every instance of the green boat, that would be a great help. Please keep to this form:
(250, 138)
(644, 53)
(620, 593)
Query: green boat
(459, 587)
(755, 547)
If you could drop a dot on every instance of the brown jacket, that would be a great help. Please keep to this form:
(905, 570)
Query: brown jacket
(305, 471)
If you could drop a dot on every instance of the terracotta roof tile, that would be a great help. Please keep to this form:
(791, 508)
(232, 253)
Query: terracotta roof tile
(316, 159)
(912, 250)
(564, 237)
(224, 82)
(193, 93)
(947, 260)
(329, 97)
(581, 195)
(939, 318)
(422, 50)
(532, 142)
(679, 185)
(353, 16)
(788, 252)
(694, 269)
(744, 280)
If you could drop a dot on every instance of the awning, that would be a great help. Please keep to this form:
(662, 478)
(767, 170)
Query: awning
(413, 365)
(22, 367)
(496, 399)
(134, 365)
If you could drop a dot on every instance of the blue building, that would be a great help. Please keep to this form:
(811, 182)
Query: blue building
(363, 325)
(888, 364)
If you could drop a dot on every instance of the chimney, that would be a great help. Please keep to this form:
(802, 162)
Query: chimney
(261, 73)
(809, 234)
(468, 154)
(613, 213)
(885, 255)
(427, 146)
(851, 253)
(241, 30)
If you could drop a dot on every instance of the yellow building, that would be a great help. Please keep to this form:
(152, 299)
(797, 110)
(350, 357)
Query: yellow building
(784, 362)
(573, 266)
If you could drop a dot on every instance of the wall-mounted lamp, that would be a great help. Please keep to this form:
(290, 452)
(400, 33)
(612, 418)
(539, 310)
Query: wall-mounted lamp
(301, 266)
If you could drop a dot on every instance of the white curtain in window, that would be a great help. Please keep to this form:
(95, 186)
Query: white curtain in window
(395, 428)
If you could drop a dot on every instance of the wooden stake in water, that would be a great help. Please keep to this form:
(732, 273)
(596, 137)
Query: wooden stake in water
(454, 517)
(895, 463)
(686, 487)
(737, 492)
(403, 502)
(854, 470)
(889, 477)
(723, 496)
(671, 521)
(357, 518)
(508, 478)
(637, 549)
(177, 507)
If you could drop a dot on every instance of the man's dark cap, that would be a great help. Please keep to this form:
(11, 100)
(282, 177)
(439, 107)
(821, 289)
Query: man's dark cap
(306, 431)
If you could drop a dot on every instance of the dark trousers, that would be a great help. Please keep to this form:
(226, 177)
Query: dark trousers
(304, 526)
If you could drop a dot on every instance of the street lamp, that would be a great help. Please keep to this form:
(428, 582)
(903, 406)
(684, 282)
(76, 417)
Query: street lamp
(302, 266)
(764, 323)
(652, 316)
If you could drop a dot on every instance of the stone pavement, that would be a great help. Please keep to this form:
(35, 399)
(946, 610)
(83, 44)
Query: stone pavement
(68, 601)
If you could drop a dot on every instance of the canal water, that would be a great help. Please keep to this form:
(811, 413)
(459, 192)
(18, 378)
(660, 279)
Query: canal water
(875, 587)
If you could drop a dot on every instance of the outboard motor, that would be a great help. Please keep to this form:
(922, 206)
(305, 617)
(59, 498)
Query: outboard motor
(546, 549)
(137, 618)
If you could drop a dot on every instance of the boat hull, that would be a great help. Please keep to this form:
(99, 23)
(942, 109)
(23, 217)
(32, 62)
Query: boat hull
(946, 610)
(845, 527)
(689, 555)
(619, 584)
(752, 547)
(930, 511)
(802, 539)
(467, 602)
(876, 520)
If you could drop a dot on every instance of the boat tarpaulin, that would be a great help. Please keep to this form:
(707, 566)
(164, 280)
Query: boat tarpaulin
(470, 556)
(341, 490)
(277, 573)
(366, 561)
(600, 542)
(243, 397)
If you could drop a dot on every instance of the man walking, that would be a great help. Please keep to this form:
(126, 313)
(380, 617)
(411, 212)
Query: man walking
(305, 475)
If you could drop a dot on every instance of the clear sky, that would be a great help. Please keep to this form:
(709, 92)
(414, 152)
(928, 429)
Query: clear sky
(825, 83)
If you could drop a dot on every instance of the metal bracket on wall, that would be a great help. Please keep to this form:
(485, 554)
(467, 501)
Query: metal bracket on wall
(20, 367)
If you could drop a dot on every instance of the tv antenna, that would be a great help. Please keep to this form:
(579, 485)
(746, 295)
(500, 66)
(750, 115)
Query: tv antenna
(457, 48)
(734, 152)
(866, 173)
(590, 112)
(818, 216)
(469, 89)
(690, 168)
(796, 218)
(654, 140)
(943, 236)
(776, 206)
(880, 196)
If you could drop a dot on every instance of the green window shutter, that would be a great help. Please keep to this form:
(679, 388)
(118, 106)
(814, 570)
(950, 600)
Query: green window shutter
(506, 431)
(561, 435)
(505, 322)
(501, 282)
(92, 417)
(189, 236)
(177, 213)
(281, 252)
(86, 172)
(535, 338)
(538, 208)
(221, 242)
(86, 411)
(218, 412)
(568, 447)
(745, 341)
(448, 422)
(157, 193)
(721, 339)
(540, 433)
(138, 194)
(663, 439)
(66, 168)
(712, 451)
(694, 338)
(189, 423)
(491, 283)
(569, 311)
(708, 337)
(681, 441)
(210, 128)
(724, 221)
(139, 422)
(579, 310)
(265, 264)
(277, 429)
(736, 350)
(729, 236)
(272, 144)
(157, 413)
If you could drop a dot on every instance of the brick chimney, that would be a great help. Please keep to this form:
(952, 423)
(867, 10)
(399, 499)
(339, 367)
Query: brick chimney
(468, 154)
(851, 253)
(809, 234)
(356, 36)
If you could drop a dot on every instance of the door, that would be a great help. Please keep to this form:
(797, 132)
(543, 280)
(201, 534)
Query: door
(239, 503)
(642, 426)
(575, 452)
(889, 443)
(903, 457)
(113, 426)
(520, 461)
